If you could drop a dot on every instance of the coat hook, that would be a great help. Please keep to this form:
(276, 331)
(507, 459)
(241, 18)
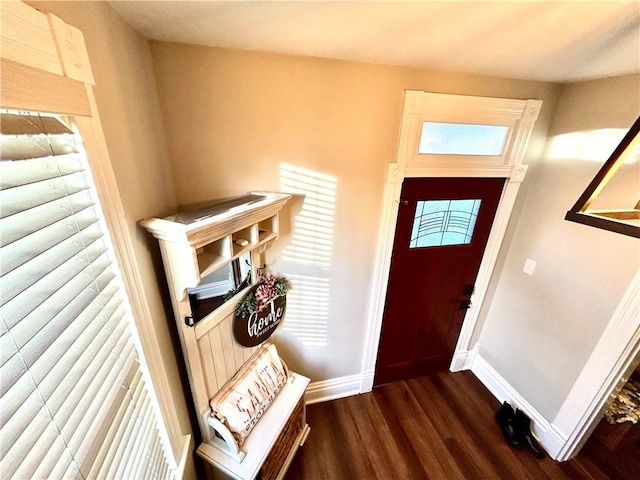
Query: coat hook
(261, 270)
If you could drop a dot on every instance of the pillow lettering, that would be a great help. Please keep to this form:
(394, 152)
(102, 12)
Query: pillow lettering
(242, 400)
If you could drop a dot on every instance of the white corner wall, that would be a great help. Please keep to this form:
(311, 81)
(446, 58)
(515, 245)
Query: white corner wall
(541, 329)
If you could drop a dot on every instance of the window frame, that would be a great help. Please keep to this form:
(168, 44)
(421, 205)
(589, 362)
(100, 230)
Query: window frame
(45, 68)
(421, 107)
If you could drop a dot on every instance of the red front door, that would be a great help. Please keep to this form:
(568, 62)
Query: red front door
(442, 230)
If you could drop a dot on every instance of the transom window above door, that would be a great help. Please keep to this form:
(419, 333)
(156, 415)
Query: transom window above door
(442, 138)
(463, 134)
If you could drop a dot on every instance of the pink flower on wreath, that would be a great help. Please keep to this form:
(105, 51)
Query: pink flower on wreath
(265, 292)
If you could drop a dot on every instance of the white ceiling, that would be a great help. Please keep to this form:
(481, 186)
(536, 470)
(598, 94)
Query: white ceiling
(535, 40)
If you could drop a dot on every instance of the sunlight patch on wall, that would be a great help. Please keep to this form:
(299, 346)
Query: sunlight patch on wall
(308, 309)
(312, 239)
(307, 259)
(595, 147)
(591, 145)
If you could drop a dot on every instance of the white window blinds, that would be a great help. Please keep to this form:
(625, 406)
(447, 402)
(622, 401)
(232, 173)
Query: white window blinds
(73, 400)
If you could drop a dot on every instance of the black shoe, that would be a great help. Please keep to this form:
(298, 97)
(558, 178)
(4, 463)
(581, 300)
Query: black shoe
(522, 430)
(505, 418)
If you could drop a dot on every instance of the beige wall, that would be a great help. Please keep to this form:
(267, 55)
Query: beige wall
(541, 329)
(232, 118)
(127, 101)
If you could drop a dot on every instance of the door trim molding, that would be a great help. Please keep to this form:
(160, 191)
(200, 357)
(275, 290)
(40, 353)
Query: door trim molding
(407, 166)
(605, 372)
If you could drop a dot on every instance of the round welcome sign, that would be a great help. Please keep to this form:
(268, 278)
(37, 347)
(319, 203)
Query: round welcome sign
(252, 326)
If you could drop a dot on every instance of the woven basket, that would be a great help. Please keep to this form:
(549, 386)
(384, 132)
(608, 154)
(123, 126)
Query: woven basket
(283, 445)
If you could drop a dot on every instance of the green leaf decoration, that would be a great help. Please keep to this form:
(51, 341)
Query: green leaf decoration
(247, 305)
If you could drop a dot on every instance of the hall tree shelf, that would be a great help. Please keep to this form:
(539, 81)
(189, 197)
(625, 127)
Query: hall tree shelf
(212, 238)
(195, 244)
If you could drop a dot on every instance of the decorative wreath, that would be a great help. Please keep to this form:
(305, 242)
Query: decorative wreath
(256, 300)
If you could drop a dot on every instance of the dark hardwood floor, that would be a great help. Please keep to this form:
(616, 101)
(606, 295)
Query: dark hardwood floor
(613, 451)
(440, 427)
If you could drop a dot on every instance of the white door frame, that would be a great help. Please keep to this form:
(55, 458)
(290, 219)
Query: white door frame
(520, 116)
(605, 372)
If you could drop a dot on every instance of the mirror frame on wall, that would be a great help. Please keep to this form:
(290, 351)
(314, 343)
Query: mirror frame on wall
(614, 220)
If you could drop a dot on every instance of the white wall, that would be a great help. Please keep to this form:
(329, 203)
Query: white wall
(540, 330)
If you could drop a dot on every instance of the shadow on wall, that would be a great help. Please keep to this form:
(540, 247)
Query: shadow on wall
(306, 260)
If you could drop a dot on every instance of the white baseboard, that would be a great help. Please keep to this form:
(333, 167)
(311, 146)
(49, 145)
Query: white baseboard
(549, 436)
(340, 387)
(333, 389)
(464, 359)
(366, 381)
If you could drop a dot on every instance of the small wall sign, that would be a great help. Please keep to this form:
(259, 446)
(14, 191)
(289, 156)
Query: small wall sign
(260, 311)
